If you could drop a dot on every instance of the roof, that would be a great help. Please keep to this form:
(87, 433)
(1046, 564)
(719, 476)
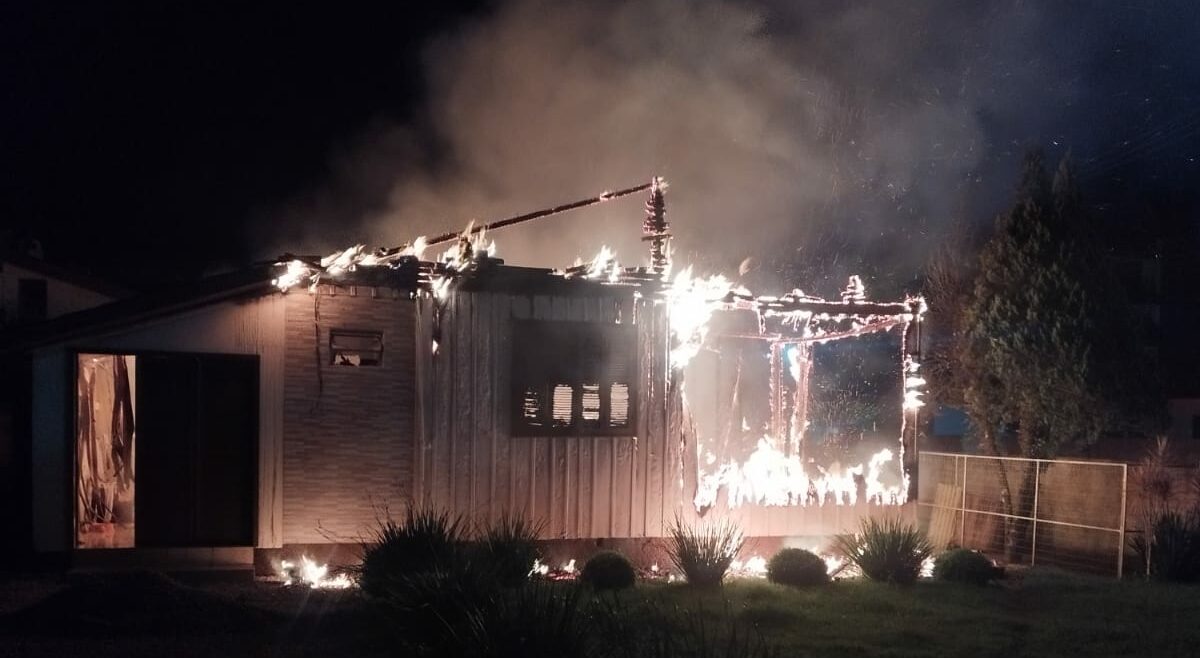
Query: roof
(249, 282)
(52, 271)
(489, 275)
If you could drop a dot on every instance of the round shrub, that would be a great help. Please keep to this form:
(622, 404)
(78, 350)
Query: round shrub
(963, 565)
(608, 570)
(797, 567)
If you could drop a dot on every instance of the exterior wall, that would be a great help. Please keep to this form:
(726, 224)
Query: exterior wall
(61, 297)
(348, 431)
(579, 486)
(254, 326)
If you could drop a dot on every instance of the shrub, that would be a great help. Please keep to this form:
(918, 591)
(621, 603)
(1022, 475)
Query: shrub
(1172, 553)
(608, 570)
(507, 548)
(797, 567)
(961, 565)
(889, 551)
(704, 554)
(426, 540)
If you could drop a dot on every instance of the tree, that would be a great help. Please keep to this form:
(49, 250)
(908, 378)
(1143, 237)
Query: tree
(1046, 336)
(1043, 343)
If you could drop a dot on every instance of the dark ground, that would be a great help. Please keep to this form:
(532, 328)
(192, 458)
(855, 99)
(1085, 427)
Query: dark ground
(1038, 613)
(146, 614)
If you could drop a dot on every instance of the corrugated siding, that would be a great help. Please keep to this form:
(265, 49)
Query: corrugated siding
(348, 431)
(579, 486)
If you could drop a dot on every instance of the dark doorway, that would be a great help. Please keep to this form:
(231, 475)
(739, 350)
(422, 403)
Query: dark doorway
(197, 450)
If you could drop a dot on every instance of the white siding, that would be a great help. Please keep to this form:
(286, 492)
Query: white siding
(254, 326)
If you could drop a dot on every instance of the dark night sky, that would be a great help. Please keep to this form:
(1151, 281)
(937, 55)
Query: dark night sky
(137, 138)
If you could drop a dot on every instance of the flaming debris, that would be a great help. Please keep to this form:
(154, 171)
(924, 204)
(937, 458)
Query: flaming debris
(314, 575)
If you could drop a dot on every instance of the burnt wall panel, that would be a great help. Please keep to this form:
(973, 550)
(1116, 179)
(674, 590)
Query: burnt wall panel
(579, 486)
(348, 430)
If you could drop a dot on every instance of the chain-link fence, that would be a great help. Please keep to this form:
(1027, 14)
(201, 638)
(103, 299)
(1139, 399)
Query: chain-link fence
(1069, 514)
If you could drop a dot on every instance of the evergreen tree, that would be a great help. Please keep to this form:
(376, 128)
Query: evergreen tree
(1046, 334)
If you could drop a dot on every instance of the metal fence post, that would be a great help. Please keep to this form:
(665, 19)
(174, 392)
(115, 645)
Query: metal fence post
(1121, 532)
(962, 508)
(1037, 485)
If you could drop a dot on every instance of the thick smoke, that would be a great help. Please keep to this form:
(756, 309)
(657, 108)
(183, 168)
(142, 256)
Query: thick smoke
(827, 136)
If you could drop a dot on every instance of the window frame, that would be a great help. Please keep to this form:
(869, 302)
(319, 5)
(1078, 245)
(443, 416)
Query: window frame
(27, 311)
(612, 350)
(334, 350)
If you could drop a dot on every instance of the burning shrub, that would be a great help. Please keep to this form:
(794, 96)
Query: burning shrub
(889, 551)
(797, 567)
(962, 565)
(425, 540)
(608, 570)
(704, 553)
(507, 547)
(1172, 553)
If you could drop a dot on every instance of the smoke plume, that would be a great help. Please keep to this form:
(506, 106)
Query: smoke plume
(847, 135)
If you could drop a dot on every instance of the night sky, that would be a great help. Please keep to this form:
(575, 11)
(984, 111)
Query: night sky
(152, 143)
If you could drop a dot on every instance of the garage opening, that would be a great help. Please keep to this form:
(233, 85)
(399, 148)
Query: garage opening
(172, 438)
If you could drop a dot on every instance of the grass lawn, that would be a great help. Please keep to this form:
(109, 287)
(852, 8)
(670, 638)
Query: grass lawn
(1042, 613)
(1046, 614)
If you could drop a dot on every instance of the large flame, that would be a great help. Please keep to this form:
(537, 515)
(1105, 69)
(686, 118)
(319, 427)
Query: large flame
(691, 302)
(770, 477)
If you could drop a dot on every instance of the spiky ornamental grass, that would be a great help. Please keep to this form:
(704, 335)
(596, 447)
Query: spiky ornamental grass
(704, 552)
(888, 551)
(426, 540)
(507, 547)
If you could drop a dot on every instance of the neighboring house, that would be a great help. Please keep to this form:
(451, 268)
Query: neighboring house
(268, 422)
(32, 290)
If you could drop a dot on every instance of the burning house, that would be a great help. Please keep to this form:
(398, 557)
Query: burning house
(277, 408)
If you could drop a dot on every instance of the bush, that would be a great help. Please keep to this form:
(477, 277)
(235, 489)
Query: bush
(704, 554)
(424, 541)
(608, 570)
(889, 551)
(962, 565)
(507, 548)
(797, 567)
(1173, 551)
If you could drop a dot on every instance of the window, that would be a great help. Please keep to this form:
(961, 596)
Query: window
(355, 348)
(31, 300)
(573, 378)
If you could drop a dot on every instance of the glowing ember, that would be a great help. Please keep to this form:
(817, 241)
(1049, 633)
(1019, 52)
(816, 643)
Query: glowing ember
(912, 385)
(312, 574)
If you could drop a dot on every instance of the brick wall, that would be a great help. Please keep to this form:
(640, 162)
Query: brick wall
(347, 431)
